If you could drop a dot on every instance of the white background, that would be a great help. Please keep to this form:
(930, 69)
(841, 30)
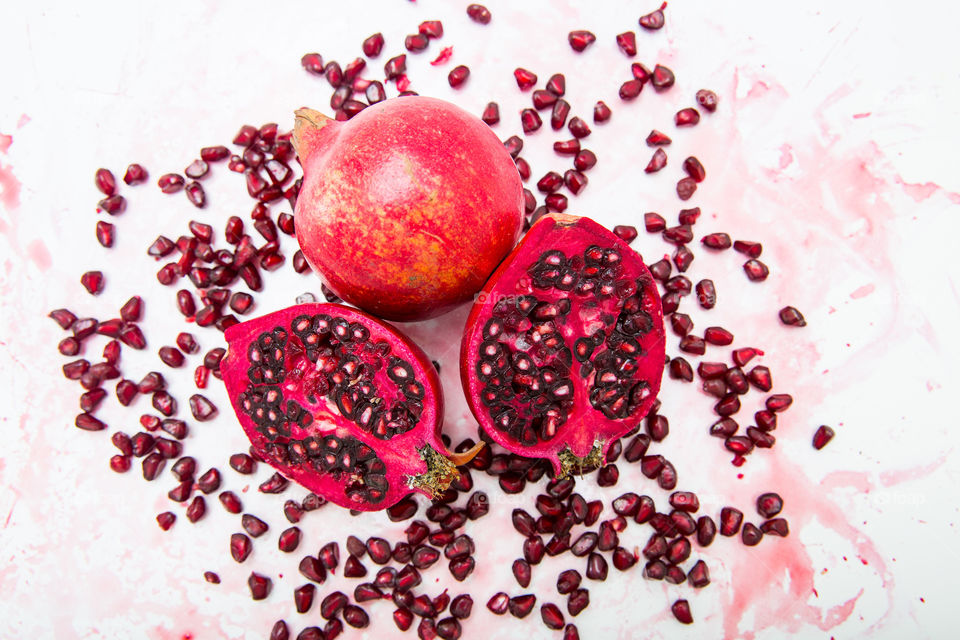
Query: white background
(834, 145)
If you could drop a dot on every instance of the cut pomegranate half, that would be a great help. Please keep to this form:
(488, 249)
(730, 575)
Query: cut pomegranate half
(342, 403)
(563, 350)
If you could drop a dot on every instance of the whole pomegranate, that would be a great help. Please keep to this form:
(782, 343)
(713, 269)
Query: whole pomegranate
(406, 208)
(563, 351)
(342, 403)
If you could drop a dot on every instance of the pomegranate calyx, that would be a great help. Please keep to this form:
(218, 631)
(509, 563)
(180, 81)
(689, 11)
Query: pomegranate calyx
(572, 464)
(441, 471)
(308, 131)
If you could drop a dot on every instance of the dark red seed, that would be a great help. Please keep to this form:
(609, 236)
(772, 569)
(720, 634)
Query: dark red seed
(657, 161)
(166, 520)
(498, 603)
(750, 535)
(718, 336)
(259, 586)
(525, 79)
(706, 531)
(552, 616)
(135, 174)
(627, 42)
(601, 112)
(543, 99)
(681, 611)
(120, 463)
(823, 435)
(584, 160)
(580, 39)
(686, 187)
(230, 502)
(653, 20)
(779, 402)
(478, 13)
(567, 147)
(707, 99)
(695, 170)
(756, 271)
(686, 117)
(623, 559)
(662, 78)
(751, 249)
(458, 75)
(522, 572)
(557, 84)
(596, 567)
(105, 233)
(683, 258)
(373, 45)
(491, 113)
(776, 527)
(197, 509)
(171, 182)
(530, 120)
(114, 205)
(577, 601)
(657, 139)
(521, 606)
(630, 89)
(792, 317)
(92, 281)
(171, 357)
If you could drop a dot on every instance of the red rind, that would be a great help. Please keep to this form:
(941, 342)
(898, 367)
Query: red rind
(399, 453)
(583, 429)
(407, 207)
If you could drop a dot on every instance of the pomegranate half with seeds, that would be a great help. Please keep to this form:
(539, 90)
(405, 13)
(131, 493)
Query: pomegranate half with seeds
(340, 402)
(563, 351)
(407, 207)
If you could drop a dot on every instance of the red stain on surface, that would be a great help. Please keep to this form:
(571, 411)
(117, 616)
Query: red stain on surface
(38, 252)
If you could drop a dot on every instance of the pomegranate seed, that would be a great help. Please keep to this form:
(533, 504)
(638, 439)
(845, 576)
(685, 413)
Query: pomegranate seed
(706, 531)
(694, 169)
(779, 402)
(524, 170)
(498, 603)
(230, 502)
(530, 120)
(513, 145)
(521, 606)
(657, 162)
(681, 611)
(627, 41)
(745, 355)
(166, 520)
(792, 317)
(114, 205)
(601, 112)
(717, 241)
(561, 109)
(197, 509)
(654, 222)
(630, 90)
(274, 484)
(686, 117)
(627, 233)
(135, 174)
(577, 601)
(491, 113)
(730, 521)
(707, 99)
(750, 535)
(717, 336)
(521, 571)
(105, 233)
(260, 586)
(211, 577)
(580, 40)
(120, 463)
(242, 463)
(171, 182)
(478, 13)
(823, 435)
(373, 45)
(395, 67)
(567, 147)
(686, 187)
(525, 79)
(776, 527)
(680, 369)
(584, 160)
(69, 346)
(312, 63)
(751, 249)
(552, 616)
(458, 75)
(578, 128)
(93, 282)
(662, 78)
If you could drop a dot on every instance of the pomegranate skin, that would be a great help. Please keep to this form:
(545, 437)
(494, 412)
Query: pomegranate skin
(406, 208)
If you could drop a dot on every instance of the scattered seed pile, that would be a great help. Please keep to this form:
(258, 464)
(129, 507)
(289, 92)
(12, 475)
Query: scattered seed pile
(213, 279)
